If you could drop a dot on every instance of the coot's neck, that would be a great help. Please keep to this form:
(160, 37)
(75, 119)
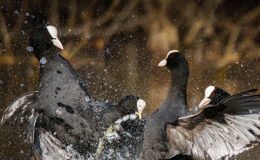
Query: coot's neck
(176, 101)
(178, 86)
(55, 70)
(40, 52)
(175, 106)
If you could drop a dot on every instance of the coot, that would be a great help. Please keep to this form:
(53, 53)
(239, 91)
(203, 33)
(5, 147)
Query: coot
(213, 95)
(63, 107)
(219, 130)
(175, 106)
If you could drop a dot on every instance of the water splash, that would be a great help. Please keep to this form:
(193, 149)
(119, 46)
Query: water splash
(43, 61)
(59, 111)
(87, 98)
(29, 48)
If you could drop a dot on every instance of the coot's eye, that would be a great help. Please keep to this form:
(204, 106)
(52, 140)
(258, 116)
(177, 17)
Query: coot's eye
(47, 34)
(171, 56)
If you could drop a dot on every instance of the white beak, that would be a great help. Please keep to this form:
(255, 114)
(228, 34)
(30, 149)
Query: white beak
(141, 104)
(162, 63)
(204, 102)
(57, 43)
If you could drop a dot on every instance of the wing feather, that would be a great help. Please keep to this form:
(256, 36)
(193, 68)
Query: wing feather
(49, 147)
(19, 105)
(217, 131)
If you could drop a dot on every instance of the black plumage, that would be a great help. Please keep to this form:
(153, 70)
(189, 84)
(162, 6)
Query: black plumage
(213, 95)
(62, 108)
(174, 107)
(218, 95)
(221, 130)
(218, 131)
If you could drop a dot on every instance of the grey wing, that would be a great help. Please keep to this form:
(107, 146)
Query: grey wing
(49, 147)
(218, 131)
(19, 106)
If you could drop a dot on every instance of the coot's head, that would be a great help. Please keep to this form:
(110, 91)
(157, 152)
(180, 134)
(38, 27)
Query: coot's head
(213, 95)
(43, 38)
(172, 59)
(131, 104)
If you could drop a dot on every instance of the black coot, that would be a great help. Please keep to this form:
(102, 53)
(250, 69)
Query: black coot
(218, 131)
(174, 106)
(63, 107)
(213, 95)
(227, 125)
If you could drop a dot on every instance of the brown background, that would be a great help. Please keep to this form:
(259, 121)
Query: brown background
(116, 45)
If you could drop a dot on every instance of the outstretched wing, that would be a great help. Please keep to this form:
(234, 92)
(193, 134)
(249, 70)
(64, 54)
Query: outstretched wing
(219, 130)
(49, 147)
(19, 105)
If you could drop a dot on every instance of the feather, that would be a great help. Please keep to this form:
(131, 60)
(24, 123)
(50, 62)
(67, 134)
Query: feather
(218, 131)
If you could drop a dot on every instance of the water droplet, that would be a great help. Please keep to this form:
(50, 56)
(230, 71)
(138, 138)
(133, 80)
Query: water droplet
(128, 134)
(21, 85)
(88, 36)
(16, 12)
(127, 154)
(29, 48)
(43, 61)
(133, 116)
(25, 22)
(59, 111)
(87, 98)
(108, 51)
(27, 14)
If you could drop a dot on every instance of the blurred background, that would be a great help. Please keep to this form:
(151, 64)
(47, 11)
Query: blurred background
(115, 46)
